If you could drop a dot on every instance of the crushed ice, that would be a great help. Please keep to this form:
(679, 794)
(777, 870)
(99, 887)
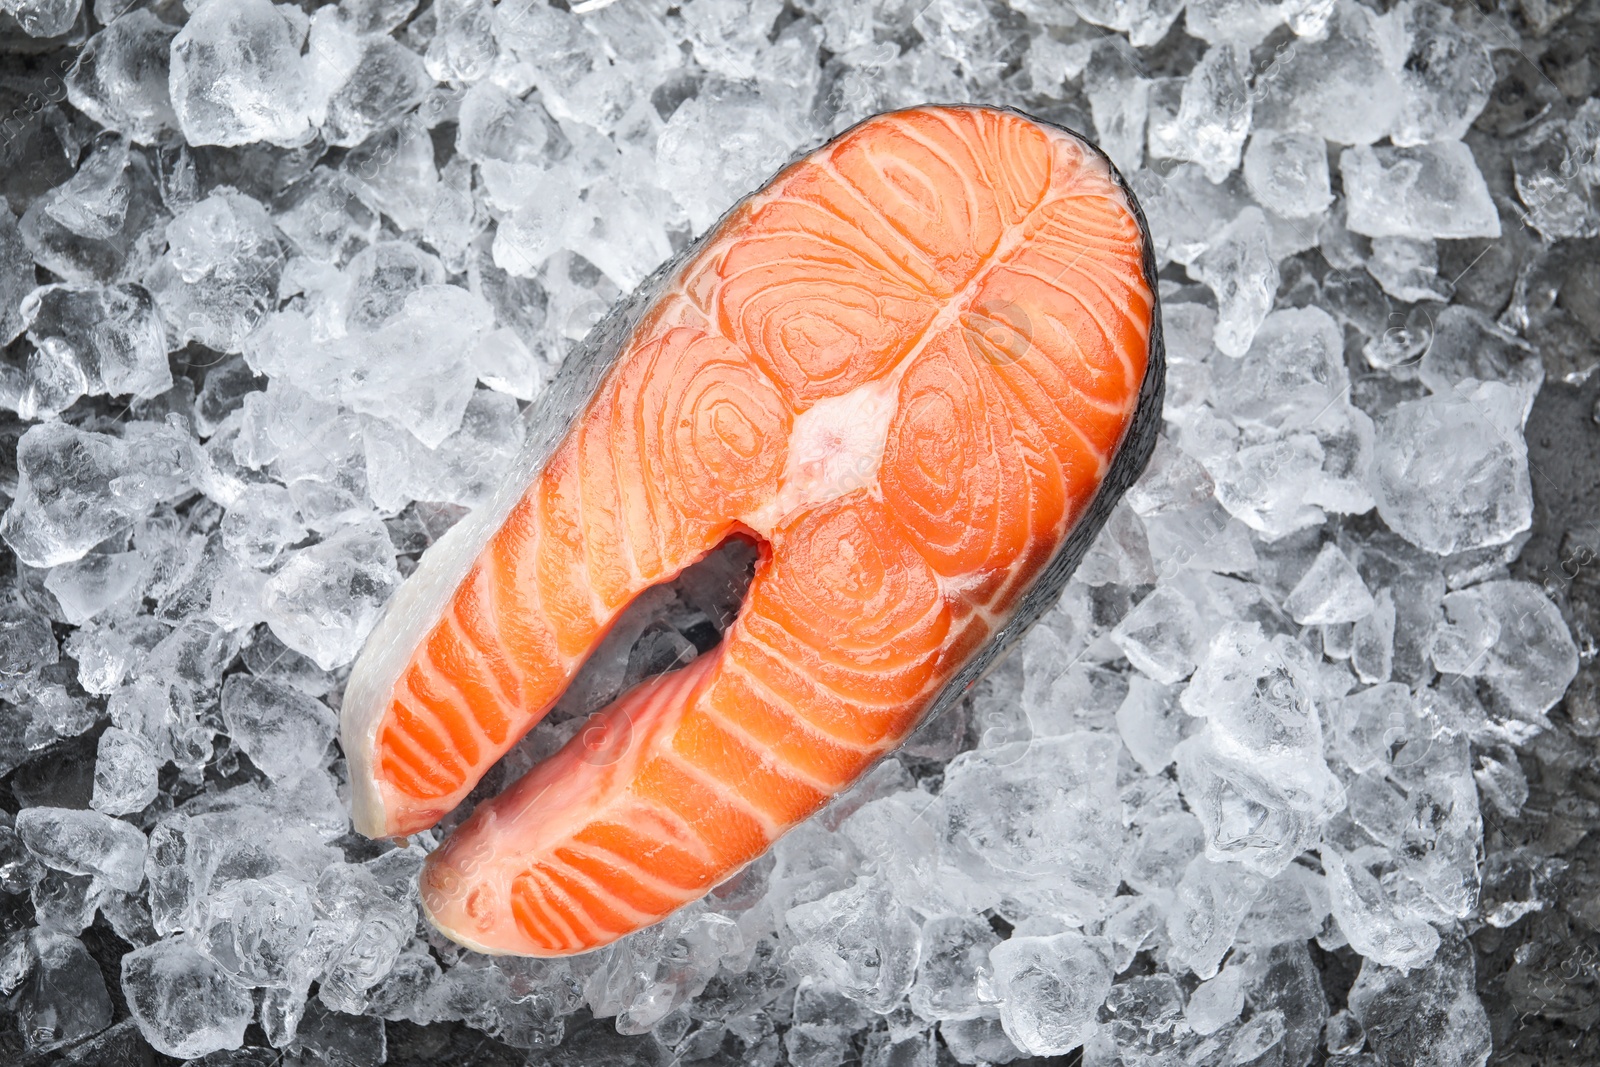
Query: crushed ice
(277, 281)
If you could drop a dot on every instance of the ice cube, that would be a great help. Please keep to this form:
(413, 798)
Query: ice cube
(418, 369)
(1240, 269)
(261, 523)
(183, 1003)
(1331, 591)
(1292, 375)
(1051, 989)
(326, 598)
(1260, 812)
(85, 842)
(17, 274)
(110, 336)
(1210, 901)
(1242, 22)
(1161, 636)
(463, 47)
(859, 939)
(394, 171)
(1451, 470)
(323, 217)
(238, 76)
(283, 731)
(1166, 845)
(120, 77)
(1408, 270)
(1424, 192)
(1288, 173)
(94, 202)
(126, 773)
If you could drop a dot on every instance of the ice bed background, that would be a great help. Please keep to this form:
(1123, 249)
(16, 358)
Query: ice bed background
(1296, 772)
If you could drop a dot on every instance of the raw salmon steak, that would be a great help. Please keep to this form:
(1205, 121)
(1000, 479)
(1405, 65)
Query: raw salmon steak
(918, 368)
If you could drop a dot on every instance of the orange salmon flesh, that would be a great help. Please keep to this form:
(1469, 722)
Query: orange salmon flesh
(907, 367)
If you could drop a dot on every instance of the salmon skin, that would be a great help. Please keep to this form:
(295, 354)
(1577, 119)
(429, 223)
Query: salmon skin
(918, 368)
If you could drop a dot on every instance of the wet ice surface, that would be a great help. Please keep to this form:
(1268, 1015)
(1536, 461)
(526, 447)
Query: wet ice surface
(277, 280)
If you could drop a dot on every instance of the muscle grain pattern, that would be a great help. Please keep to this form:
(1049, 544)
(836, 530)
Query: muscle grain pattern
(983, 272)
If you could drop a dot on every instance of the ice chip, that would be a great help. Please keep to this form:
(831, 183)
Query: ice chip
(1287, 173)
(715, 147)
(1148, 723)
(1260, 812)
(43, 18)
(326, 598)
(120, 77)
(1429, 1017)
(1291, 377)
(1161, 636)
(1372, 641)
(110, 336)
(1119, 103)
(1423, 192)
(1343, 86)
(283, 731)
(1051, 989)
(386, 81)
(182, 1002)
(954, 977)
(1331, 591)
(1240, 269)
(85, 842)
(1468, 344)
(1377, 927)
(861, 940)
(1039, 820)
(1144, 21)
(220, 273)
(1509, 634)
(1214, 111)
(256, 928)
(1216, 1002)
(1451, 470)
(63, 999)
(1210, 901)
(237, 74)
(69, 495)
(1446, 75)
(126, 773)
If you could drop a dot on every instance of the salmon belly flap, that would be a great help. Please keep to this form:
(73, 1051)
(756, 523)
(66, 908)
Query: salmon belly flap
(908, 367)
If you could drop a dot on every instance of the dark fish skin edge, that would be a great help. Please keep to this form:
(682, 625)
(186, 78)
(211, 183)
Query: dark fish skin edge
(582, 372)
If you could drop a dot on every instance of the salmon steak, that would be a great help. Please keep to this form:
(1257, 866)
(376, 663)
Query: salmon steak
(918, 369)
